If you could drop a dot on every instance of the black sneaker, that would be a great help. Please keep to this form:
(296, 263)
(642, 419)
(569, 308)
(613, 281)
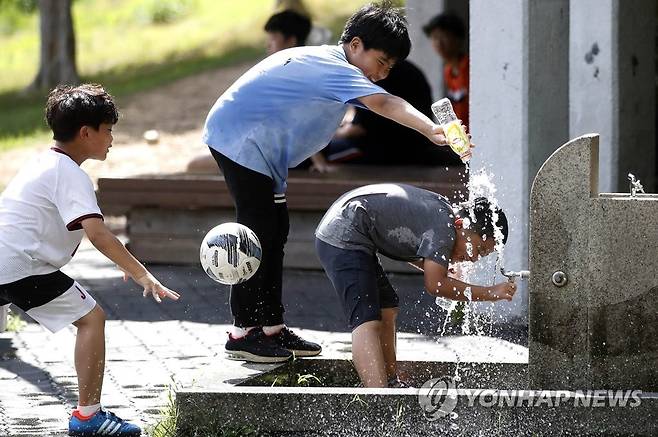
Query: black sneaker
(297, 345)
(256, 347)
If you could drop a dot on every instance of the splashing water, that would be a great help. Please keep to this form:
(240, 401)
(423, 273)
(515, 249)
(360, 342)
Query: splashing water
(480, 184)
(445, 304)
(448, 305)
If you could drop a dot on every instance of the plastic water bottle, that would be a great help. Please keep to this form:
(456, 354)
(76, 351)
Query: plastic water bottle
(452, 128)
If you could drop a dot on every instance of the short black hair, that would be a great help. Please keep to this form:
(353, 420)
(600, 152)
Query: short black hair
(381, 27)
(481, 213)
(290, 23)
(447, 22)
(70, 107)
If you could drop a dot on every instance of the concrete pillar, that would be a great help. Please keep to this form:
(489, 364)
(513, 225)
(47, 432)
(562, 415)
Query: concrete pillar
(419, 12)
(612, 85)
(519, 107)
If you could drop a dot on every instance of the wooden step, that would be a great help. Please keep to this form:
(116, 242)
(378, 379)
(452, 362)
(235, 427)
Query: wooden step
(168, 215)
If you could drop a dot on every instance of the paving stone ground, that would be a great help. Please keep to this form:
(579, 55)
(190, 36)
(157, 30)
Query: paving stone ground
(151, 347)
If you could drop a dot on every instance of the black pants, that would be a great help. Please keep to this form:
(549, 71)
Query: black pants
(257, 302)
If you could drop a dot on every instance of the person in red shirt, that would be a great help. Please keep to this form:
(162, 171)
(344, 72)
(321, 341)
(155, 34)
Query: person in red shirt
(448, 33)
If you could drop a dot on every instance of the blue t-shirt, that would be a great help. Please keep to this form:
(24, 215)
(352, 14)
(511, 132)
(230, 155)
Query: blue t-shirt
(285, 109)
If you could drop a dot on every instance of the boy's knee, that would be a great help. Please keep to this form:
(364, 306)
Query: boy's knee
(100, 314)
(367, 326)
(95, 317)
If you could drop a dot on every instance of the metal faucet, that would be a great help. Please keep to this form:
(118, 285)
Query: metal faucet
(511, 276)
(635, 185)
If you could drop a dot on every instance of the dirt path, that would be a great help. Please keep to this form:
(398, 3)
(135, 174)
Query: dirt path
(177, 111)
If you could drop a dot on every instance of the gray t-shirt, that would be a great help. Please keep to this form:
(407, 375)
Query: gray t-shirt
(397, 220)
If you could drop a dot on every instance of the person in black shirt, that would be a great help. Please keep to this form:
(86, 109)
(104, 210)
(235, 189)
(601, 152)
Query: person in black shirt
(373, 139)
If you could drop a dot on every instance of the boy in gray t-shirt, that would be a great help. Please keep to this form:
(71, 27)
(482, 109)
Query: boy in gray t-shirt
(410, 224)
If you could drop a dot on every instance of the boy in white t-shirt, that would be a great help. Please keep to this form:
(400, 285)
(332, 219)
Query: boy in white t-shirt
(44, 213)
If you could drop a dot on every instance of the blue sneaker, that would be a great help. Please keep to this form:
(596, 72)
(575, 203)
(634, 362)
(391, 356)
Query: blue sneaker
(101, 423)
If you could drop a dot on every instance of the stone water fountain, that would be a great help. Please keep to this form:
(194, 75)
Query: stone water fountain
(593, 326)
(593, 306)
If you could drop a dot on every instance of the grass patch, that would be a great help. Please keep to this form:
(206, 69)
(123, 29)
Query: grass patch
(22, 123)
(168, 420)
(131, 46)
(166, 424)
(14, 322)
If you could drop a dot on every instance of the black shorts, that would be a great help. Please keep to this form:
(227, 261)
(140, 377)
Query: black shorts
(54, 300)
(360, 282)
(35, 291)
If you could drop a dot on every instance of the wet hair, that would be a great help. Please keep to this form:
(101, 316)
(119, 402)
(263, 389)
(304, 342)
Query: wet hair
(290, 23)
(447, 22)
(381, 27)
(71, 107)
(481, 214)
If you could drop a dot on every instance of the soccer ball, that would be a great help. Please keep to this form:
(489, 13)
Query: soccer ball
(230, 253)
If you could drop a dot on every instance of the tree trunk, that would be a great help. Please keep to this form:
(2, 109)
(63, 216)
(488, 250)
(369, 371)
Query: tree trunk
(57, 59)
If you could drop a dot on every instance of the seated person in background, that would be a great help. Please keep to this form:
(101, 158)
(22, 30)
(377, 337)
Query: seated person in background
(318, 35)
(286, 29)
(447, 33)
(373, 139)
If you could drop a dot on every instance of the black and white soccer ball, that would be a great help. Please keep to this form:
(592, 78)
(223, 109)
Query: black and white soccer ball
(230, 253)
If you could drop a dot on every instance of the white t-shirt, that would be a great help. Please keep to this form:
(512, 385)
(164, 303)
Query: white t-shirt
(41, 212)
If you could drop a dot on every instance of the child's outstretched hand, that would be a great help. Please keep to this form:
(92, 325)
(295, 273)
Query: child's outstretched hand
(503, 291)
(153, 287)
(437, 136)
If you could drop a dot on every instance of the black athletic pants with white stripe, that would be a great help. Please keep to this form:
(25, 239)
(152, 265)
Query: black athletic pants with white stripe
(257, 302)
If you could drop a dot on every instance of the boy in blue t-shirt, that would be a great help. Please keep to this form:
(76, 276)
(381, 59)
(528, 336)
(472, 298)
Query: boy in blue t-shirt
(280, 112)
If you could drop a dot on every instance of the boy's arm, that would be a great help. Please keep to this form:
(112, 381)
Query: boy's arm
(438, 283)
(110, 246)
(400, 111)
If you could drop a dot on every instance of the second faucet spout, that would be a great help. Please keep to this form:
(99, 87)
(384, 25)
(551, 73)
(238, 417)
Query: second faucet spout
(522, 274)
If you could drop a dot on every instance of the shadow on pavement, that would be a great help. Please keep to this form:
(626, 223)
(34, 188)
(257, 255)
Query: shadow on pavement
(309, 299)
(37, 377)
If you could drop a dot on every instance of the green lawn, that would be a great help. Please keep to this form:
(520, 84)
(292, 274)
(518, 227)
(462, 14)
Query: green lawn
(135, 45)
